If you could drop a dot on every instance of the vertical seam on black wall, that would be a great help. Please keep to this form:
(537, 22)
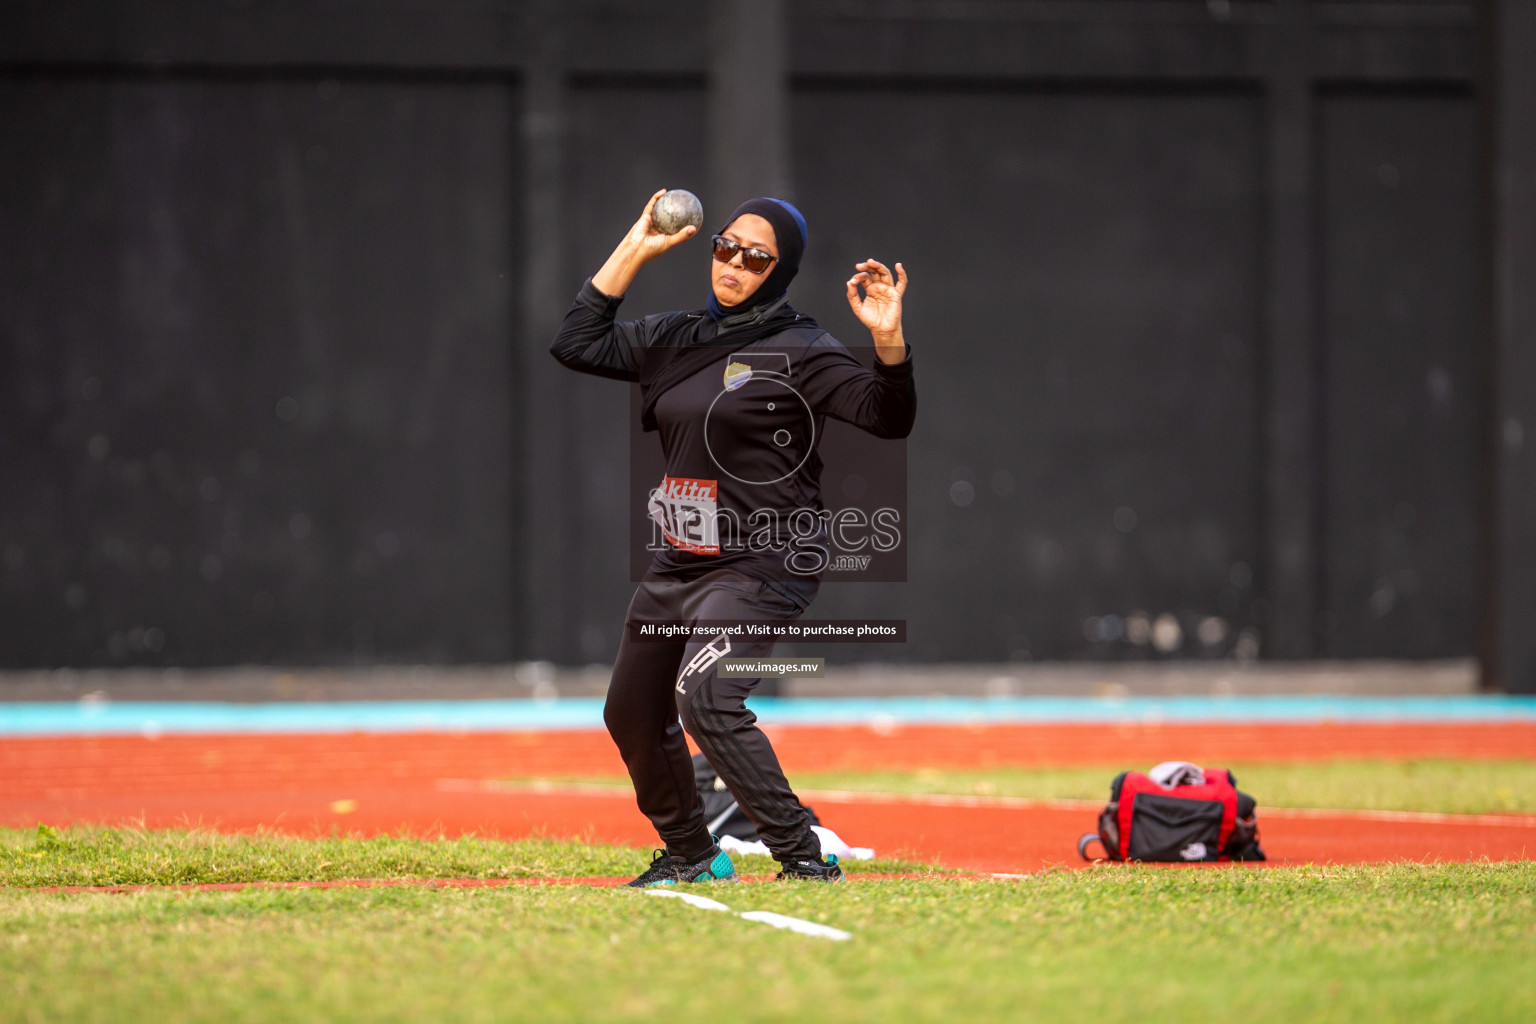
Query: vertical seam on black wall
(1317, 257)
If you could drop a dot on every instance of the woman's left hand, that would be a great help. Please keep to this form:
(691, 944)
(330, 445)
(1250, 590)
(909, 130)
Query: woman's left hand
(879, 308)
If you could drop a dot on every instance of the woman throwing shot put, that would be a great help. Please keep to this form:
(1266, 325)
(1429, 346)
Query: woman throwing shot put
(738, 392)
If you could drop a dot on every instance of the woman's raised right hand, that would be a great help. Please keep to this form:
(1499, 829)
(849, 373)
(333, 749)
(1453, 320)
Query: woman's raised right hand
(643, 244)
(647, 240)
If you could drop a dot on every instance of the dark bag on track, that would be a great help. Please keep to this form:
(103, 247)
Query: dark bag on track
(1204, 821)
(724, 815)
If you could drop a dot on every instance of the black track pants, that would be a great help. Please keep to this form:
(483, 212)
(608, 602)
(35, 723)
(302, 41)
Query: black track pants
(656, 682)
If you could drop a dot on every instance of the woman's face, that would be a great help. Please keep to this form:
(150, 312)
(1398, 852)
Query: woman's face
(734, 283)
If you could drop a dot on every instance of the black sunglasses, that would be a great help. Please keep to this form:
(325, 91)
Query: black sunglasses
(754, 260)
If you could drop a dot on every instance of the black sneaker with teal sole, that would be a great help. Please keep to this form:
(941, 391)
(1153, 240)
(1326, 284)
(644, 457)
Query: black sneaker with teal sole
(665, 869)
(824, 870)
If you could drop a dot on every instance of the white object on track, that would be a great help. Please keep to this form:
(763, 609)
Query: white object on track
(702, 902)
(795, 924)
(768, 917)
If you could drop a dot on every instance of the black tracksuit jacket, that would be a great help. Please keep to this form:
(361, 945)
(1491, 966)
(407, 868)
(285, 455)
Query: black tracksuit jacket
(739, 438)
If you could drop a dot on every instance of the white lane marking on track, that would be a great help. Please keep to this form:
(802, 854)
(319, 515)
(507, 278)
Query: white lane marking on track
(767, 917)
(702, 902)
(794, 924)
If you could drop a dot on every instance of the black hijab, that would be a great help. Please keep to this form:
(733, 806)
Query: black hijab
(691, 341)
(789, 233)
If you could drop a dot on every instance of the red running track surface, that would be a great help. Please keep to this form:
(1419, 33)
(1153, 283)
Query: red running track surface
(376, 784)
(86, 764)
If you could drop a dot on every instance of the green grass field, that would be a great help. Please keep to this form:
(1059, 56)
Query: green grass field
(1439, 785)
(1445, 786)
(48, 857)
(1409, 943)
(1450, 942)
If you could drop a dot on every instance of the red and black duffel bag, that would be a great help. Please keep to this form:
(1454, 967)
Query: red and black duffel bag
(1185, 822)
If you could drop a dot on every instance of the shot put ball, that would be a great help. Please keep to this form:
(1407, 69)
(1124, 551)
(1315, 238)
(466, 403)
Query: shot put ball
(676, 210)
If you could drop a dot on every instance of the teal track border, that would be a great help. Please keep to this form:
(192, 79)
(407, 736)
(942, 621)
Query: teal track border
(107, 718)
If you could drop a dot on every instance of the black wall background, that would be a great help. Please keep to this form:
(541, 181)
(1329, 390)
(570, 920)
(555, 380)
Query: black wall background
(258, 372)
(1195, 308)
